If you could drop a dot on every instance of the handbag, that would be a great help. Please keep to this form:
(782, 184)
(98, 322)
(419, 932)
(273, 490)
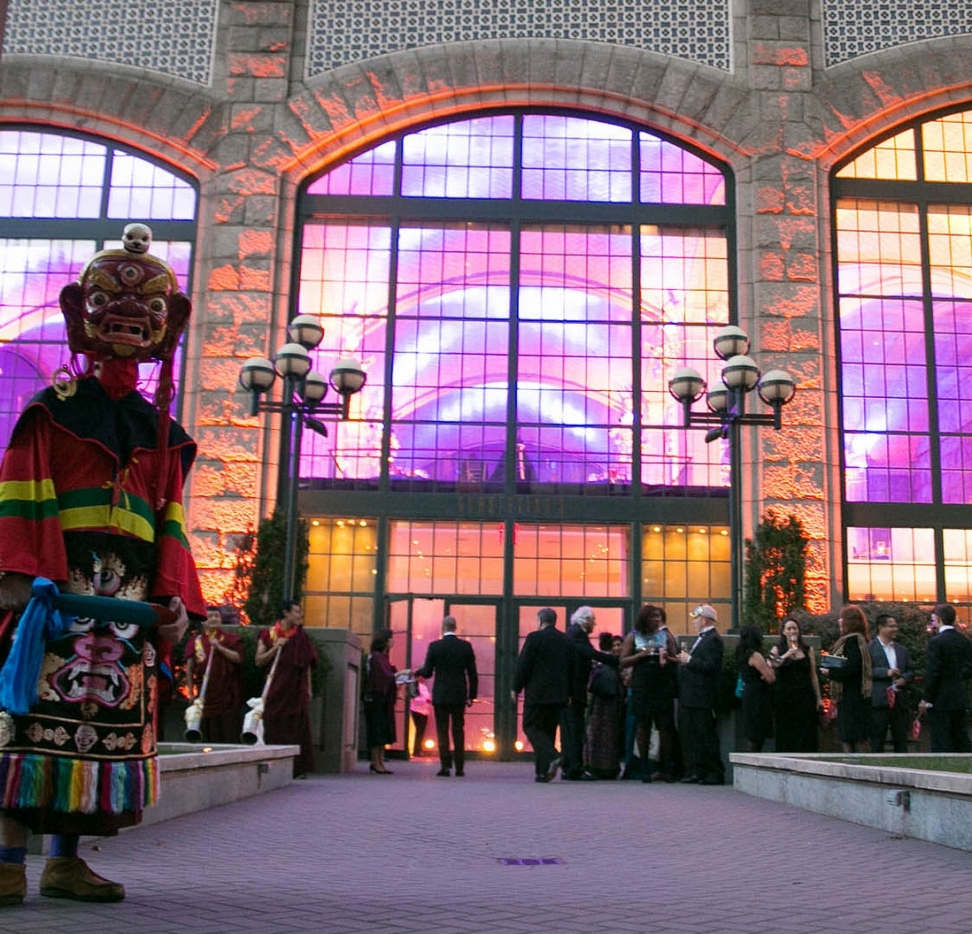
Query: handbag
(604, 683)
(740, 685)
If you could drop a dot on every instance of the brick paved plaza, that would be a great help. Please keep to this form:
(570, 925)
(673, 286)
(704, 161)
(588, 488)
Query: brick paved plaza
(416, 853)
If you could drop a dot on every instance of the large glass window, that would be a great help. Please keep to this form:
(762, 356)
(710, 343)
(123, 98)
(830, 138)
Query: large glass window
(341, 574)
(903, 217)
(519, 288)
(62, 198)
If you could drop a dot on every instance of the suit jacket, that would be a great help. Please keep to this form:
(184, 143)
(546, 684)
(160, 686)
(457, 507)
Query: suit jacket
(880, 679)
(453, 663)
(702, 674)
(545, 668)
(585, 656)
(948, 665)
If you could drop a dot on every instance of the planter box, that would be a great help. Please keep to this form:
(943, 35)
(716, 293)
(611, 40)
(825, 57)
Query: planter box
(194, 780)
(926, 804)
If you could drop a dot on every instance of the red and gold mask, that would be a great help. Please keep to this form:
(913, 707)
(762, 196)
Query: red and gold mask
(126, 305)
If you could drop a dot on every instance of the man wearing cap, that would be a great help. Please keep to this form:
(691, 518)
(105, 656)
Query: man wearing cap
(701, 671)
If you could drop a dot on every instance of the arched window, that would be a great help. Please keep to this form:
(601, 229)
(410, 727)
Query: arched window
(63, 198)
(903, 219)
(520, 288)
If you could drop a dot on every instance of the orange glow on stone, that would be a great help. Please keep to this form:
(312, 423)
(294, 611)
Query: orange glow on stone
(782, 55)
(256, 65)
(224, 277)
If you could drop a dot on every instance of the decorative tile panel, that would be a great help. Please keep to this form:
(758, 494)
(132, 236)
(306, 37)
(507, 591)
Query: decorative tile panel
(175, 37)
(345, 31)
(856, 27)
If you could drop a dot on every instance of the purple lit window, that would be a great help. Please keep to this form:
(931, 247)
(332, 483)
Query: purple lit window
(905, 303)
(371, 173)
(672, 175)
(890, 564)
(57, 183)
(685, 299)
(515, 347)
(472, 159)
(569, 159)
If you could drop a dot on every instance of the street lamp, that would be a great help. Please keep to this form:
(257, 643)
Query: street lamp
(727, 413)
(302, 402)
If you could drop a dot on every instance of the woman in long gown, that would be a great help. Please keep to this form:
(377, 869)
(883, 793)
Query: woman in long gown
(605, 722)
(852, 682)
(757, 697)
(798, 697)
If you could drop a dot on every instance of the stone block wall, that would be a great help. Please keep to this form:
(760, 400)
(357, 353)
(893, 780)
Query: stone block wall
(275, 102)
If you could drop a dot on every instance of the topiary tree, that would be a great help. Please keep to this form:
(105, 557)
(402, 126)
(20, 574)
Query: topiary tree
(266, 578)
(776, 570)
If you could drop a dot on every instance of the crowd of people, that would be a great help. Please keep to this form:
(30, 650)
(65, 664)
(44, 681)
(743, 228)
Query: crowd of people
(640, 707)
(616, 705)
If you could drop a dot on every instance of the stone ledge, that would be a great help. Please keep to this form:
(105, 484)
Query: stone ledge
(930, 805)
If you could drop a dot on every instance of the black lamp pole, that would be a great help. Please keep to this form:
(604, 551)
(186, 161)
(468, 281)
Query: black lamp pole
(726, 416)
(301, 404)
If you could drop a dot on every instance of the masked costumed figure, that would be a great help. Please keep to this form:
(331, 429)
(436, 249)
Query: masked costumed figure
(91, 499)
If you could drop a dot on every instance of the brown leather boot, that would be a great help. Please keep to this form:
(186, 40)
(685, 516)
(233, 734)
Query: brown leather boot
(70, 877)
(13, 883)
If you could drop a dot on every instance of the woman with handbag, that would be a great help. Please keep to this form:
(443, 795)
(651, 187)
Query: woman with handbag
(851, 682)
(797, 700)
(605, 721)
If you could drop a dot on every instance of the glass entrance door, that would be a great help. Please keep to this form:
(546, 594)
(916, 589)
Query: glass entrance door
(416, 623)
(477, 623)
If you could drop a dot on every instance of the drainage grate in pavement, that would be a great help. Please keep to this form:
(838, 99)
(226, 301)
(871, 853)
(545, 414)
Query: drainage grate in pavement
(551, 861)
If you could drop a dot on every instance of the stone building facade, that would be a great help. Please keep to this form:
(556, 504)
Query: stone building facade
(251, 97)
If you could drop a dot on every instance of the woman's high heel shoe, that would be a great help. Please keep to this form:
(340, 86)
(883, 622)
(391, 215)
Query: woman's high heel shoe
(380, 771)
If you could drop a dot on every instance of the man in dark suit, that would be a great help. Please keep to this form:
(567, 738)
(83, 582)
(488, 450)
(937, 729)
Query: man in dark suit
(701, 674)
(572, 725)
(544, 672)
(891, 670)
(945, 693)
(453, 662)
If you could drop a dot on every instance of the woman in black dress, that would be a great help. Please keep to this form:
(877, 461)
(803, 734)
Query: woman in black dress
(380, 691)
(757, 697)
(798, 697)
(649, 651)
(851, 686)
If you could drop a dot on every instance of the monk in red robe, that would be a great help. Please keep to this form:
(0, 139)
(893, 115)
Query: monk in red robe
(286, 712)
(213, 660)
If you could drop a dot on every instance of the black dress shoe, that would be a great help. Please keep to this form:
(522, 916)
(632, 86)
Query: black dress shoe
(691, 779)
(460, 773)
(542, 779)
(443, 773)
(712, 780)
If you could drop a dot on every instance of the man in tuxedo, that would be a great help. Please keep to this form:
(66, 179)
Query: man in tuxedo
(572, 726)
(945, 694)
(891, 670)
(701, 673)
(453, 663)
(544, 672)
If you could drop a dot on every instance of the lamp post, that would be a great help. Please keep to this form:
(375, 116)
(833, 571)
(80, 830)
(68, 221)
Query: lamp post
(301, 403)
(727, 414)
